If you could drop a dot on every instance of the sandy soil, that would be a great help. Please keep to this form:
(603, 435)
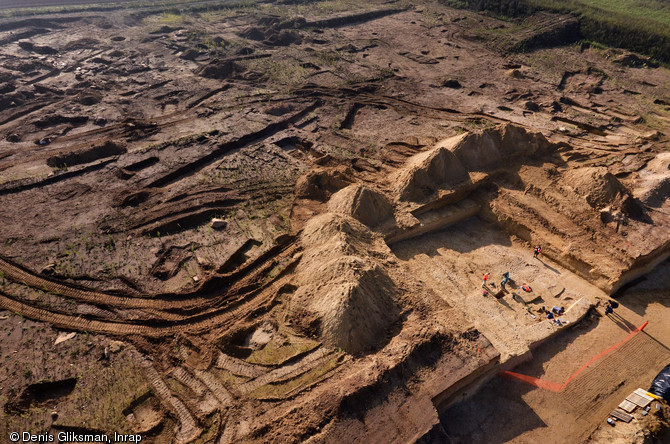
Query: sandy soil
(269, 223)
(518, 412)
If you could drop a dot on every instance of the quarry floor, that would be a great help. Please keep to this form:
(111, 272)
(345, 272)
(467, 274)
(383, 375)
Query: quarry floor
(512, 411)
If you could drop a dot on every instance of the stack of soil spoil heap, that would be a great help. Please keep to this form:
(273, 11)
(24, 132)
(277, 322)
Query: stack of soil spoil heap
(363, 204)
(450, 163)
(342, 280)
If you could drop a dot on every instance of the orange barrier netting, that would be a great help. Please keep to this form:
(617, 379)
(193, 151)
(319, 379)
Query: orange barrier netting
(556, 387)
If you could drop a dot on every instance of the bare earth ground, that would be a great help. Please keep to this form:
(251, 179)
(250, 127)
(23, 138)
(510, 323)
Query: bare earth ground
(369, 163)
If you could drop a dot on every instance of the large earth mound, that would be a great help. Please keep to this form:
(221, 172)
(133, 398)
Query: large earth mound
(343, 280)
(362, 203)
(601, 189)
(447, 164)
(494, 147)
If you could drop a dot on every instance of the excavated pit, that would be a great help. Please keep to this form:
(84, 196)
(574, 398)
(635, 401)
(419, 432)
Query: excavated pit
(269, 223)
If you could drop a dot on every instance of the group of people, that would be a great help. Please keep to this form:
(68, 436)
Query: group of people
(505, 279)
(505, 275)
(609, 308)
(553, 314)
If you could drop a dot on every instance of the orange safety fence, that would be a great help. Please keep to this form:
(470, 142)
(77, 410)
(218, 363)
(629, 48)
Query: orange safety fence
(556, 387)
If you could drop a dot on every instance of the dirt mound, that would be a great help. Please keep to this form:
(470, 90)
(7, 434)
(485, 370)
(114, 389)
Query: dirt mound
(82, 43)
(601, 189)
(109, 149)
(367, 206)
(321, 183)
(485, 149)
(293, 23)
(220, 70)
(165, 29)
(429, 171)
(634, 61)
(342, 280)
(253, 33)
(653, 188)
(282, 38)
(190, 54)
(58, 119)
(448, 163)
(272, 35)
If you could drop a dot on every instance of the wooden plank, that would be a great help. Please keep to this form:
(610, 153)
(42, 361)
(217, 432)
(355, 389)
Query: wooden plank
(645, 394)
(622, 416)
(638, 400)
(627, 406)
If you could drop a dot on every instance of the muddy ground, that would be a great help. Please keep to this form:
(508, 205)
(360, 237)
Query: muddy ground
(269, 222)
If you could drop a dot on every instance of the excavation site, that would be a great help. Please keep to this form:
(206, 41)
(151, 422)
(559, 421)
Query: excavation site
(286, 221)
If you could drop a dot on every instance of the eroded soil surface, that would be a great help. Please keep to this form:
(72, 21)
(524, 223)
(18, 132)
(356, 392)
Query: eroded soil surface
(269, 223)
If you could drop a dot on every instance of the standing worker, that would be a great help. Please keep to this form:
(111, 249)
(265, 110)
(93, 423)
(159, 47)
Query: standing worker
(505, 279)
(609, 309)
(536, 251)
(486, 279)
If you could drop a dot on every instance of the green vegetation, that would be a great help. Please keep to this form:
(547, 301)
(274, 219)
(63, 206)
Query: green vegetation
(279, 351)
(281, 390)
(282, 72)
(638, 25)
(176, 7)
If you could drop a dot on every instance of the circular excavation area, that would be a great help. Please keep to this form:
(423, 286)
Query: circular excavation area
(325, 222)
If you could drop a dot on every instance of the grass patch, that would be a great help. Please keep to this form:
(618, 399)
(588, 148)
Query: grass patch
(170, 18)
(227, 378)
(638, 25)
(288, 388)
(280, 71)
(281, 350)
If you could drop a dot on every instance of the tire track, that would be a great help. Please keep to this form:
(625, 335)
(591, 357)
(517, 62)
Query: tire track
(200, 323)
(188, 427)
(21, 276)
(192, 168)
(238, 366)
(228, 435)
(77, 323)
(288, 371)
(215, 386)
(164, 323)
(208, 403)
